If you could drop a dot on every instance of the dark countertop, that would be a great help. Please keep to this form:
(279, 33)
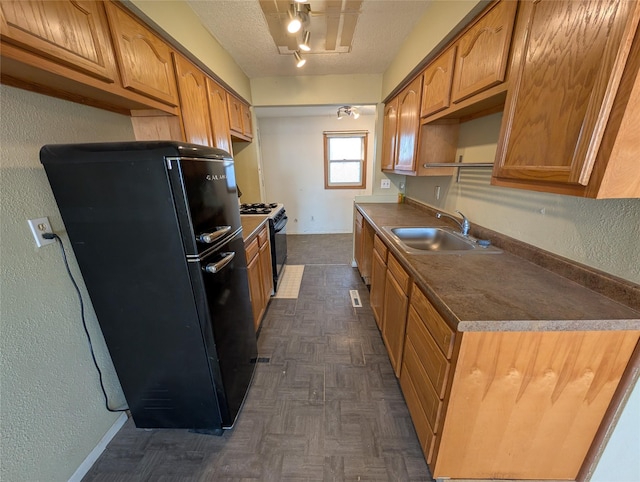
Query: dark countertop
(251, 225)
(497, 292)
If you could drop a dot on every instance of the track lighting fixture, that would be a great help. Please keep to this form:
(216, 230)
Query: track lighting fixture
(347, 110)
(295, 23)
(299, 60)
(304, 44)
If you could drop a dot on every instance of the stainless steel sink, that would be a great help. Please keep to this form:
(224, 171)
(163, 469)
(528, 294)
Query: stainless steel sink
(429, 239)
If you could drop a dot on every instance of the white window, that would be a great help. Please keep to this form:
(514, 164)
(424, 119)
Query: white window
(345, 160)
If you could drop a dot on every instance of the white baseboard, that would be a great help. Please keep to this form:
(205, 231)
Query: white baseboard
(88, 462)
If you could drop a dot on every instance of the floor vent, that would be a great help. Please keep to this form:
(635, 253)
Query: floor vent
(355, 298)
(261, 359)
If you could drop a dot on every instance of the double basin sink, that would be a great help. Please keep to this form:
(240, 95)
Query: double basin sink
(429, 240)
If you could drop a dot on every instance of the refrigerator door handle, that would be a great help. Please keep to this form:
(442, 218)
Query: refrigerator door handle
(217, 267)
(209, 238)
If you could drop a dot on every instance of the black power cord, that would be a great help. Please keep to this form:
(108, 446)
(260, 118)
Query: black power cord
(84, 323)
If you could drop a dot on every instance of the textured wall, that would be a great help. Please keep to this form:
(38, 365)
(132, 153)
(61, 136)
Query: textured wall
(52, 412)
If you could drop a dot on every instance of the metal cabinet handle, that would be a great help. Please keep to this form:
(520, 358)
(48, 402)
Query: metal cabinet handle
(209, 238)
(217, 267)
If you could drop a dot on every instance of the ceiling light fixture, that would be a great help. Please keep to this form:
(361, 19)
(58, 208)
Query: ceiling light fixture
(304, 45)
(347, 110)
(299, 60)
(295, 23)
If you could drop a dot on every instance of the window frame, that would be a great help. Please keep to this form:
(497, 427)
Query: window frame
(364, 136)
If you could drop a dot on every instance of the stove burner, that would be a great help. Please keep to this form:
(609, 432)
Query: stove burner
(259, 205)
(250, 210)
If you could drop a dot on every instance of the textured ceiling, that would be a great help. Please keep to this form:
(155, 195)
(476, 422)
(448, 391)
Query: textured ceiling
(241, 28)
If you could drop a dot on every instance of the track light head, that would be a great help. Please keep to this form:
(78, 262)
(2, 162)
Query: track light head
(299, 60)
(304, 44)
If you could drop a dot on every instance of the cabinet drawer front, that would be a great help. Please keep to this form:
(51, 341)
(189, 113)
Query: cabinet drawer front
(431, 358)
(398, 272)
(380, 248)
(427, 396)
(420, 423)
(252, 249)
(440, 331)
(483, 51)
(263, 237)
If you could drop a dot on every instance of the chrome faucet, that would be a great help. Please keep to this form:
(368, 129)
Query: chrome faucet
(464, 225)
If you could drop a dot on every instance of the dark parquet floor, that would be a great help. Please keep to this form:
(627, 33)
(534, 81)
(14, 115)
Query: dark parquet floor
(325, 407)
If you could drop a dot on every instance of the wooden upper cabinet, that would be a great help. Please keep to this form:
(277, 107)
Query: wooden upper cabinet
(72, 33)
(436, 85)
(192, 88)
(483, 51)
(144, 59)
(389, 134)
(239, 118)
(219, 115)
(408, 125)
(571, 116)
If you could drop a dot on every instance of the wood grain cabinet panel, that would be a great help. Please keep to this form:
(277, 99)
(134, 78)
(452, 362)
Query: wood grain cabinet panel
(436, 83)
(219, 115)
(72, 33)
(378, 281)
(192, 88)
(389, 134)
(258, 254)
(483, 51)
(145, 62)
(394, 321)
(240, 122)
(442, 335)
(527, 405)
(571, 115)
(255, 290)
(408, 125)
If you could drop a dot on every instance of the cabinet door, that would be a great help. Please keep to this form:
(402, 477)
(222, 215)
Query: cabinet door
(436, 84)
(144, 59)
(235, 113)
(389, 134)
(266, 273)
(483, 51)
(72, 33)
(193, 102)
(357, 241)
(247, 123)
(255, 290)
(559, 103)
(395, 320)
(378, 280)
(408, 124)
(219, 115)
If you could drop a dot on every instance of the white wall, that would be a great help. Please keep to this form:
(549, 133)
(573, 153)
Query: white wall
(292, 152)
(52, 413)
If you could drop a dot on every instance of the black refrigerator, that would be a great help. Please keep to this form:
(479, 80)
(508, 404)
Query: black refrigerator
(155, 228)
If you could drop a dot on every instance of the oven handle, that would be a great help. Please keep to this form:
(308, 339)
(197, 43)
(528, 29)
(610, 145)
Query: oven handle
(209, 238)
(282, 222)
(214, 268)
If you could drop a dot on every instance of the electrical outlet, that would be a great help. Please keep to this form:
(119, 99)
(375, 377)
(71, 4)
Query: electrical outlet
(38, 227)
(385, 183)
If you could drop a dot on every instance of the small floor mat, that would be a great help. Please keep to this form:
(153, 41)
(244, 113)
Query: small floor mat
(289, 285)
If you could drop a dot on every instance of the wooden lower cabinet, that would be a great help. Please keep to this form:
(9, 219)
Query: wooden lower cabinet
(363, 246)
(507, 405)
(258, 253)
(396, 301)
(378, 280)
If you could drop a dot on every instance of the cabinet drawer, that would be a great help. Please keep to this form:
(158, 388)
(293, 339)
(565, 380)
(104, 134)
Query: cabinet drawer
(263, 237)
(430, 357)
(440, 331)
(252, 249)
(420, 423)
(398, 272)
(427, 396)
(380, 248)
